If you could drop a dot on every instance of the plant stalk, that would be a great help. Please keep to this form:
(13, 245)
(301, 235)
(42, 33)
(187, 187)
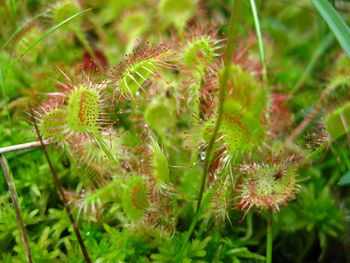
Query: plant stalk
(269, 237)
(62, 195)
(13, 194)
(222, 90)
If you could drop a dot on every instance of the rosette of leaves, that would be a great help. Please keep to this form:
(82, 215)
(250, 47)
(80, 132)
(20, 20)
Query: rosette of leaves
(317, 213)
(78, 114)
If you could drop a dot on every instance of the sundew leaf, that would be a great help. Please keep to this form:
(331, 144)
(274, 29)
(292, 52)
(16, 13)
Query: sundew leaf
(83, 110)
(335, 22)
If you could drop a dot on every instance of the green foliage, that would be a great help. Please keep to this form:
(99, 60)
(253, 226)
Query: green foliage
(169, 251)
(242, 130)
(268, 185)
(320, 211)
(245, 91)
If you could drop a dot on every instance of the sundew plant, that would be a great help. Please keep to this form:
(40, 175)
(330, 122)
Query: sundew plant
(174, 131)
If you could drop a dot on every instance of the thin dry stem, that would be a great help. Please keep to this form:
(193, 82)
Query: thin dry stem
(17, 210)
(62, 194)
(23, 146)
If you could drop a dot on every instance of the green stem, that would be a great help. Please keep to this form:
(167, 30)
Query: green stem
(269, 238)
(260, 39)
(222, 90)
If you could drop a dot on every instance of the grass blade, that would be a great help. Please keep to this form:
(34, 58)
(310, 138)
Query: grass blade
(260, 39)
(51, 30)
(335, 22)
(20, 29)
